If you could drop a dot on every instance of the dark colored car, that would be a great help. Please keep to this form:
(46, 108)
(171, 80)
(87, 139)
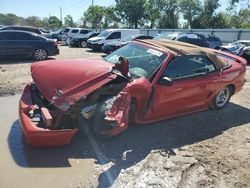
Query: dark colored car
(246, 54)
(81, 41)
(26, 28)
(112, 46)
(192, 38)
(214, 42)
(26, 44)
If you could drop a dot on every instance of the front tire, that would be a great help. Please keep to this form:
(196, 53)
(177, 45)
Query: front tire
(40, 54)
(83, 44)
(222, 98)
(100, 125)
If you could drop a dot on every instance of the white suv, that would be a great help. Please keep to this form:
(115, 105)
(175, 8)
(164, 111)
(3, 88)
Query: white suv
(74, 32)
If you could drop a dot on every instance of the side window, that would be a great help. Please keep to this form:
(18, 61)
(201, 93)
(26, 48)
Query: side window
(74, 31)
(83, 31)
(188, 66)
(23, 36)
(6, 36)
(114, 35)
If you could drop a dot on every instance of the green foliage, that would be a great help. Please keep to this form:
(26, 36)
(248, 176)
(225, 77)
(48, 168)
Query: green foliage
(11, 19)
(54, 22)
(93, 16)
(33, 21)
(191, 10)
(68, 21)
(131, 12)
(169, 16)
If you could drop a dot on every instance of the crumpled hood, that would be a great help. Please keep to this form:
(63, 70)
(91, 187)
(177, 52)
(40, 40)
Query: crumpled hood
(63, 82)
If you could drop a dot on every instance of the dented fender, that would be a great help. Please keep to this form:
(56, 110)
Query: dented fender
(119, 112)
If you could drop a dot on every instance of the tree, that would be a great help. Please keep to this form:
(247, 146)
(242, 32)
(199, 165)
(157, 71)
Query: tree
(54, 22)
(131, 11)
(208, 13)
(68, 21)
(152, 12)
(110, 17)
(191, 10)
(170, 16)
(34, 21)
(94, 15)
(11, 19)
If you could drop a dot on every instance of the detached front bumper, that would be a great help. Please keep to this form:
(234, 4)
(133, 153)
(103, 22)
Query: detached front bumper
(36, 136)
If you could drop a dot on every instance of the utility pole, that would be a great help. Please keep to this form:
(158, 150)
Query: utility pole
(92, 16)
(61, 14)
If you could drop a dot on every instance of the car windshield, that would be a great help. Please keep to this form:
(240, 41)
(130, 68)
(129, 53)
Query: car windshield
(143, 60)
(88, 34)
(104, 34)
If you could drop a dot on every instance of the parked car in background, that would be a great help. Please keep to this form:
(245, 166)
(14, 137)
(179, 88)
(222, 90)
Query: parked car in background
(26, 28)
(214, 42)
(235, 45)
(192, 38)
(81, 41)
(26, 44)
(246, 54)
(57, 35)
(110, 35)
(112, 46)
(142, 82)
(74, 32)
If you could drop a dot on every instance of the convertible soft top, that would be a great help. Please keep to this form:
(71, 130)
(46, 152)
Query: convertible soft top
(182, 48)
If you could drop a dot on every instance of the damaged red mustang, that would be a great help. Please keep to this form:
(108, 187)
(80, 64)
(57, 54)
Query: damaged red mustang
(143, 82)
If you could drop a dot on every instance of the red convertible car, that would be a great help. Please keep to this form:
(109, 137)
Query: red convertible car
(142, 82)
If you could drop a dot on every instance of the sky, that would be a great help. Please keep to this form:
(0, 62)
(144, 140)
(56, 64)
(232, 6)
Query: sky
(46, 8)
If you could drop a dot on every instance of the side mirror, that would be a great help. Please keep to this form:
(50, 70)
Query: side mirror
(165, 81)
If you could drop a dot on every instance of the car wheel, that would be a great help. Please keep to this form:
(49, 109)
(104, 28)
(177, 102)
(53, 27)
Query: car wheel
(40, 54)
(83, 44)
(100, 125)
(222, 98)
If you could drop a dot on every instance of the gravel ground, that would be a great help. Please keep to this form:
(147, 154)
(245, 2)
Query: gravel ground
(205, 149)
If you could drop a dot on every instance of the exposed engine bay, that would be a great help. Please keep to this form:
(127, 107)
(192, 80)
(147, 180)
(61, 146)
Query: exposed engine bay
(48, 116)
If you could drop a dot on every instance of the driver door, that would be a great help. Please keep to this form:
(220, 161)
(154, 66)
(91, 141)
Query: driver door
(194, 79)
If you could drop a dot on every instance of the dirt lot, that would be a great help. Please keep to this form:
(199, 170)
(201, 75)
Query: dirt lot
(206, 149)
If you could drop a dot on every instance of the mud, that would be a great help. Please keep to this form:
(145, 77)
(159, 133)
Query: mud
(205, 149)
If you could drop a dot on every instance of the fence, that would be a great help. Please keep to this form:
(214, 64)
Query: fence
(226, 35)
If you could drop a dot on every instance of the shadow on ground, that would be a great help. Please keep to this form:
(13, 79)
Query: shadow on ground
(139, 141)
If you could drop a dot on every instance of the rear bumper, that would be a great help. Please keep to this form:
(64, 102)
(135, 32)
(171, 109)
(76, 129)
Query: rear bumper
(36, 136)
(54, 52)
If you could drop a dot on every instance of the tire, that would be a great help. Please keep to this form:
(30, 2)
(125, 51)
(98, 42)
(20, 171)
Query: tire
(100, 124)
(40, 54)
(83, 44)
(222, 98)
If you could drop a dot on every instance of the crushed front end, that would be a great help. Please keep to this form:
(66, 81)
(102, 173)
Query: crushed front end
(42, 124)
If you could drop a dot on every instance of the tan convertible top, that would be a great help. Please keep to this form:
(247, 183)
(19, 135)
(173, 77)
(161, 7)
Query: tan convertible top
(182, 48)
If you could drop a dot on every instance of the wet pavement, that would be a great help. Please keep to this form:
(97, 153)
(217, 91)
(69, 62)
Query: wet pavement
(26, 167)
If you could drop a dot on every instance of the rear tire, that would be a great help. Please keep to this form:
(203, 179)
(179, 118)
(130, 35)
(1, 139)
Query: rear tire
(40, 54)
(222, 98)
